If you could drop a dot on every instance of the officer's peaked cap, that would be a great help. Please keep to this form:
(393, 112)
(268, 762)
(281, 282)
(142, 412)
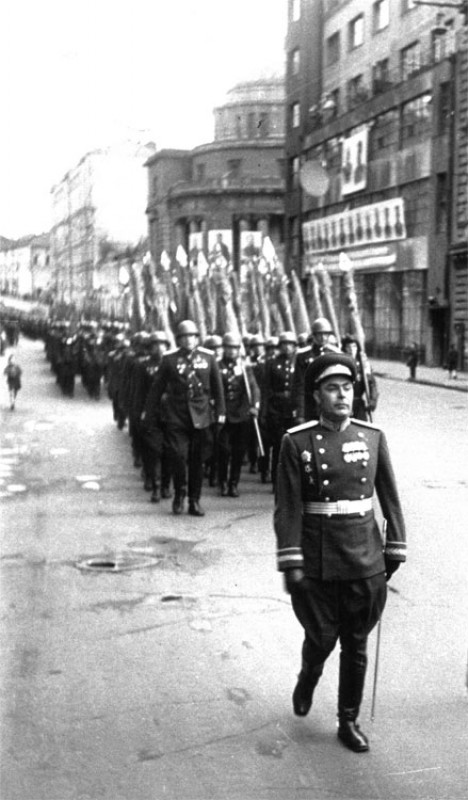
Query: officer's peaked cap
(187, 328)
(288, 337)
(327, 365)
(231, 340)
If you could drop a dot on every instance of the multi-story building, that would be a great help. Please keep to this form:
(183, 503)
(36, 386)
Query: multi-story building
(97, 208)
(231, 185)
(25, 269)
(370, 144)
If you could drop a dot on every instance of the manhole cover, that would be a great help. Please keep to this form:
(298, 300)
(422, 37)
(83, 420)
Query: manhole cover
(116, 563)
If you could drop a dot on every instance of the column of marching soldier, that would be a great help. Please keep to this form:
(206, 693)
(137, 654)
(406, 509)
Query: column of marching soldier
(199, 413)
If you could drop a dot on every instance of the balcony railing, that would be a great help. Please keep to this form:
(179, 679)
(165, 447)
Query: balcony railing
(228, 182)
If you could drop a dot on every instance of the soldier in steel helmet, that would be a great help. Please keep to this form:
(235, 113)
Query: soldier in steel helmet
(190, 379)
(329, 546)
(278, 413)
(242, 398)
(321, 340)
(156, 468)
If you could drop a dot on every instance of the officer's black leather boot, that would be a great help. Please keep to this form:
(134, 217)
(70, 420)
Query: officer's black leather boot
(223, 490)
(351, 686)
(156, 494)
(178, 502)
(304, 690)
(233, 490)
(166, 493)
(195, 508)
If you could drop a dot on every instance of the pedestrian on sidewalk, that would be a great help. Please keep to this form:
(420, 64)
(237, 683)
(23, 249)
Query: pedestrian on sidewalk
(452, 362)
(412, 361)
(329, 545)
(13, 372)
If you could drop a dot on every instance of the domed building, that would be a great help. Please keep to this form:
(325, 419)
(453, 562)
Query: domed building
(228, 189)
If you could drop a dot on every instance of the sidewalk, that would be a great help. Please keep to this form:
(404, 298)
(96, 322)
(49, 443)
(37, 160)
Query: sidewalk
(430, 376)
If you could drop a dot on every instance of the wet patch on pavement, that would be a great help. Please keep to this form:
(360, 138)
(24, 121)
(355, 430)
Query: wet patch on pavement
(175, 553)
(238, 696)
(273, 746)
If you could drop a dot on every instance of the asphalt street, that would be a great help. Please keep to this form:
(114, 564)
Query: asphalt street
(167, 671)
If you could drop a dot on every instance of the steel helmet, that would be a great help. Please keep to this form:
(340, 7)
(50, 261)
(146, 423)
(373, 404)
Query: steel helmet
(158, 337)
(187, 328)
(231, 340)
(212, 342)
(272, 342)
(288, 337)
(321, 325)
(257, 339)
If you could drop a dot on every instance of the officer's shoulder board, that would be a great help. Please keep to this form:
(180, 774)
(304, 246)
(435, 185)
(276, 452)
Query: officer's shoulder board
(304, 427)
(365, 424)
(205, 350)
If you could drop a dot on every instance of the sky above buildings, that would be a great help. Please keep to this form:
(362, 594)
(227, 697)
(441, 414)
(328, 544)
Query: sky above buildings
(80, 75)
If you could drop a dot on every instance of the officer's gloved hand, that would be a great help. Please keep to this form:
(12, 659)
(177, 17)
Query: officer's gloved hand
(293, 579)
(253, 411)
(391, 566)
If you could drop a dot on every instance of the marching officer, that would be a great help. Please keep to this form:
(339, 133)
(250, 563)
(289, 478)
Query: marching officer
(215, 344)
(242, 399)
(278, 412)
(156, 469)
(320, 341)
(190, 378)
(329, 544)
(256, 360)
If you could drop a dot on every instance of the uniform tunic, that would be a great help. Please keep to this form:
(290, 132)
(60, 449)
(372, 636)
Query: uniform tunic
(318, 464)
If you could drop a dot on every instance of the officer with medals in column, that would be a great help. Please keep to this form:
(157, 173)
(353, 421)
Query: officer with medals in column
(277, 411)
(242, 398)
(330, 548)
(189, 376)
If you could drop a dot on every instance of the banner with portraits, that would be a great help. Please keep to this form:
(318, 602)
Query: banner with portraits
(250, 245)
(195, 246)
(370, 224)
(354, 161)
(220, 246)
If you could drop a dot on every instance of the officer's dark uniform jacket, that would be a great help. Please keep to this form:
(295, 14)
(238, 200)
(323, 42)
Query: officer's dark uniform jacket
(277, 388)
(234, 375)
(320, 465)
(189, 379)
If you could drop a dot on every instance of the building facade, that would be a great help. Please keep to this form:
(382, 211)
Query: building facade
(370, 140)
(232, 185)
(25, 269)
(97, 209)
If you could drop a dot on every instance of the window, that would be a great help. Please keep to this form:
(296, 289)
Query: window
(294, 235)
(333, 49)
(441, 202)
(381, 76)
(155, 185)
(410, 60)
(295, 10)
(356, 91)
(294, 172)
(295, 115)
(356, 32)
(381, 15)
(263, 129)
(251, 125)
(294, 62)
(384, 134)
(234, 168)
(444, 107)
(416, 118)
(200, 173)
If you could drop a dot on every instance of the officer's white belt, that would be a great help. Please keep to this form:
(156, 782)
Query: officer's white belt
(339, 507)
